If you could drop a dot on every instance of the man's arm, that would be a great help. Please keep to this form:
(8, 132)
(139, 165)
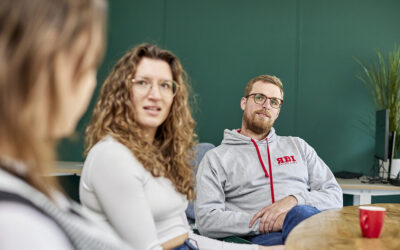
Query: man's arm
(325, 193)
(212, 219)
(273, 215)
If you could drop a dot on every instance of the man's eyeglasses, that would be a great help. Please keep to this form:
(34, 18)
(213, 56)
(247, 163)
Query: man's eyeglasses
(276, 103)
(167, 88)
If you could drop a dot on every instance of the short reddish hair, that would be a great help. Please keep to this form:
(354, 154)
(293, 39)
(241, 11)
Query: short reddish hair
(263, 78)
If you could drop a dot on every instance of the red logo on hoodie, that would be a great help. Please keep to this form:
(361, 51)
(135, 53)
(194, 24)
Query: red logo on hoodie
(286, 160)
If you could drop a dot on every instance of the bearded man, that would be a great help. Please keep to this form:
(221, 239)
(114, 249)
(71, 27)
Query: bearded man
(259, 185)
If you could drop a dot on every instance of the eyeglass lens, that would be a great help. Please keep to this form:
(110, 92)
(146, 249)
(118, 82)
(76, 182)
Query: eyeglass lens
(167, 88)
(261, 99)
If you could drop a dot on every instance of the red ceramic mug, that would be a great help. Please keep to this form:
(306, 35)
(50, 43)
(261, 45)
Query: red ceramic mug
(371, 220)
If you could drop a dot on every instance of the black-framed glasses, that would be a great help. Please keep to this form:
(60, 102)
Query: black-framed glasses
(167, 88)
(259, 98)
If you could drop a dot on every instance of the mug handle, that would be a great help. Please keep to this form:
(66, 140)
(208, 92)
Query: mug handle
(364, 219)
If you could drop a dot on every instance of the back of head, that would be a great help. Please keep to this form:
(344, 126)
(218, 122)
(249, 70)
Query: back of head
(32, 35)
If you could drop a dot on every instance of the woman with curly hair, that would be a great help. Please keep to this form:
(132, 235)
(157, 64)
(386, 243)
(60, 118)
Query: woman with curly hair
(137, 174)
(49, 54)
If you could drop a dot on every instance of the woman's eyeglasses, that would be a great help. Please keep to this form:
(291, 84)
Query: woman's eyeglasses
(167, 88)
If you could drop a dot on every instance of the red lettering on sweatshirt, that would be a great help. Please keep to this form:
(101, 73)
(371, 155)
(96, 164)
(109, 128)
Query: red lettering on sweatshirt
(286, 160)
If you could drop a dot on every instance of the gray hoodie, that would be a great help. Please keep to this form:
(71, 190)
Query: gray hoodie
(232, 185)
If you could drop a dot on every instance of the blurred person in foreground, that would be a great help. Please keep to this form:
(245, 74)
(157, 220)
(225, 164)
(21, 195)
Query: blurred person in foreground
(49, 53)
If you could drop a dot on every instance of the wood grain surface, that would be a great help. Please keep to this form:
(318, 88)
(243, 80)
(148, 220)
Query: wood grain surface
(340, 229)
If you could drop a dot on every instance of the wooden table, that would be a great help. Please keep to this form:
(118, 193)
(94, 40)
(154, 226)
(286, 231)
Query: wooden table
(68, 168)
(340, 229)
(362, 192)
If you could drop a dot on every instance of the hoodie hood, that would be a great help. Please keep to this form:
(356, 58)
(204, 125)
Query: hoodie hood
(233, 137)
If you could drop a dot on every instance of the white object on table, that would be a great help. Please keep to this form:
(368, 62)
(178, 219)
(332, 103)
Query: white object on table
(363, 192)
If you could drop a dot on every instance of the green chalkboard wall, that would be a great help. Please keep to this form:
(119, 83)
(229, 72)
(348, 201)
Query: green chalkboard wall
(309, 44)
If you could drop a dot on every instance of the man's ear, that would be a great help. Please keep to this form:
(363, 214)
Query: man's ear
(243, 103)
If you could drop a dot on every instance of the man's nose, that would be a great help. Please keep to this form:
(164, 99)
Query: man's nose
(267, 104)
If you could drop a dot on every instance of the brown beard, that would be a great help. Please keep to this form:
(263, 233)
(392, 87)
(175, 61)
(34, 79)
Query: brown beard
(257, 126)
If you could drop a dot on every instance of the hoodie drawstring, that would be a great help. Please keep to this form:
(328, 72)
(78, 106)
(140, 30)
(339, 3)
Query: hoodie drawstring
(263, 167)
(270, 172)
(260, 159)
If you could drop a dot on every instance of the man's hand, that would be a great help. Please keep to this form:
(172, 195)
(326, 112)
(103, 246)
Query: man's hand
(278, 225)
(270, 214)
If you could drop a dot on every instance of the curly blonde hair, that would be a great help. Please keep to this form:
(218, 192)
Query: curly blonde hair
(171, 151)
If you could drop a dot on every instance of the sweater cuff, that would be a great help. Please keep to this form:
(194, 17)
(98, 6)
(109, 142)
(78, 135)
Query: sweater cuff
(300, 199)
(255, 229)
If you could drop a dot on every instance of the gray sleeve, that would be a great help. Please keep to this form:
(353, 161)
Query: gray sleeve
(23, 227)
(212, 219)
(325, 193)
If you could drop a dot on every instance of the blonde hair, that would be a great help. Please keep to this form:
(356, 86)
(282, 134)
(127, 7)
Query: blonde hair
(113, 115)
(266, 79)
(33, 33)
